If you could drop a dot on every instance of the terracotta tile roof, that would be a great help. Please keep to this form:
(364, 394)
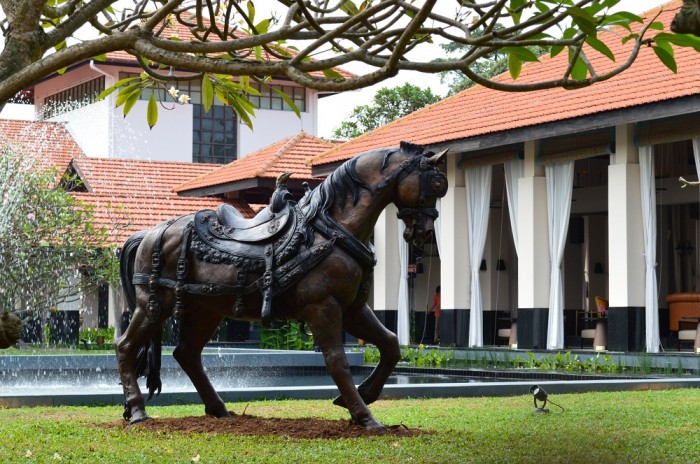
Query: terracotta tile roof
(124, 215)
(478, 111)
(130, 176)
(49, 142)
(287, 155)
(184, 34)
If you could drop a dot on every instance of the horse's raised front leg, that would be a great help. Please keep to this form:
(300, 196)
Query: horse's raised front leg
(328, 334)
(138, 333)
(195, 332)
(365, 325)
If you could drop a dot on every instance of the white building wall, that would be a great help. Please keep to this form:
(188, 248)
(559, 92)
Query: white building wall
(89, 126)
(169, 140)
(101, 129)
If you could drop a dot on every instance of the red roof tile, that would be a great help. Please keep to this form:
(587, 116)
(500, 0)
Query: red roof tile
(128, 176)
(49, 143)
(124, 215)
(478, 111)
(287, 155)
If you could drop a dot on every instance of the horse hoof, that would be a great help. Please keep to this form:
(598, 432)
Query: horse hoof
(216, 412)
(138, 418)
(374, 425)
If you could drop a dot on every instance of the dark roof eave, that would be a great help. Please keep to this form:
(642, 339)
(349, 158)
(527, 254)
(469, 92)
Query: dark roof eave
(220, 189)
(245, 184)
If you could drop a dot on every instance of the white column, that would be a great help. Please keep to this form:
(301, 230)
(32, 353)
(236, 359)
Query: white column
(454, 246)
(533, 235)
(625, 237)
(533, 253)
(386, 272)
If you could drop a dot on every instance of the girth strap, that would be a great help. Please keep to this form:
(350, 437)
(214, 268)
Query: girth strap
(282, 278)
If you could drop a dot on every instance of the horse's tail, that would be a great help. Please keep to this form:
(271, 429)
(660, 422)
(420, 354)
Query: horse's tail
(127, 258)
(148, 357)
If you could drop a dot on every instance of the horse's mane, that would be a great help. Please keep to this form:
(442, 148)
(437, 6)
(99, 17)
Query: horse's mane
(344, 182)
(341, 184)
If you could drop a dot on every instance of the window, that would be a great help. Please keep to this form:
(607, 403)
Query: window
(271, 100)
(214, 134)
(73, 98)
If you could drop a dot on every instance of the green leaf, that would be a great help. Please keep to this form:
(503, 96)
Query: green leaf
(524, 54)
(583, 20)
(664, 52)
(263, 26)
(332, 74)
(130, 102)
(62, 70)
(152, 111)
(657, 25)
(681, 40)
(515, 65)
(251, 10)
(287, 100)
(349, 7)
(106, 92)
(102, 57)
(600, 47)
(207, 93)
(127, 91)
(580, 70)
(555, 50)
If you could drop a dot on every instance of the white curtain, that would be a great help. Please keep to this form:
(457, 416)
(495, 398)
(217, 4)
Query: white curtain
(696, 151)
(402, 324)
(648, 191)
(560, 181)
(478, 183)
(437, 226)
(514, 170)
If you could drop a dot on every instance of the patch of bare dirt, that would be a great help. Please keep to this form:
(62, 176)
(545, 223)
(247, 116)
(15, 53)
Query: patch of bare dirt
(304, 428)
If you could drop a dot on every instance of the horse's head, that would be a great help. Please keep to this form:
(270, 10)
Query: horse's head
(687, 20)
(418, 183)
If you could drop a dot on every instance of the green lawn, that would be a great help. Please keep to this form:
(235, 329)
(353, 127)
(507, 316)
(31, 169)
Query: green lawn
(631, 427)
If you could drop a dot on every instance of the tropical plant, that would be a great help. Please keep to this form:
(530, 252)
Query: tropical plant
(387, 105)
(287, 336)
(52, 252)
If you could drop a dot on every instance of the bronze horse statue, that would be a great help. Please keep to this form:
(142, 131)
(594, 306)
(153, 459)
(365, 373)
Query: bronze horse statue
(309, 261)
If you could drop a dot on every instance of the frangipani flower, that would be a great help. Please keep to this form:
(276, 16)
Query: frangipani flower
(173, 92)
(184, 99)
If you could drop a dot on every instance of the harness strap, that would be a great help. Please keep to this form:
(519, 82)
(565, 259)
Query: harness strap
(153, 308)
(181, 272)
(267, 283)
(199, 289)
(284, 277)
(332, 230)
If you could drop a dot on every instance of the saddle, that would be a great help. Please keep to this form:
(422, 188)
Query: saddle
(263, 226)
(262, 244)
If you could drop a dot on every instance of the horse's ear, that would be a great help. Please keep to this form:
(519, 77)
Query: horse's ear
(435, 159)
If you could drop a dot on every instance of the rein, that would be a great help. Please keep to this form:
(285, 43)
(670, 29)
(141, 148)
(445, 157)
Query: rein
(432, 183)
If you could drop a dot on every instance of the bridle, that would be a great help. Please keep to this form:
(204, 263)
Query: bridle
(432, 183)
